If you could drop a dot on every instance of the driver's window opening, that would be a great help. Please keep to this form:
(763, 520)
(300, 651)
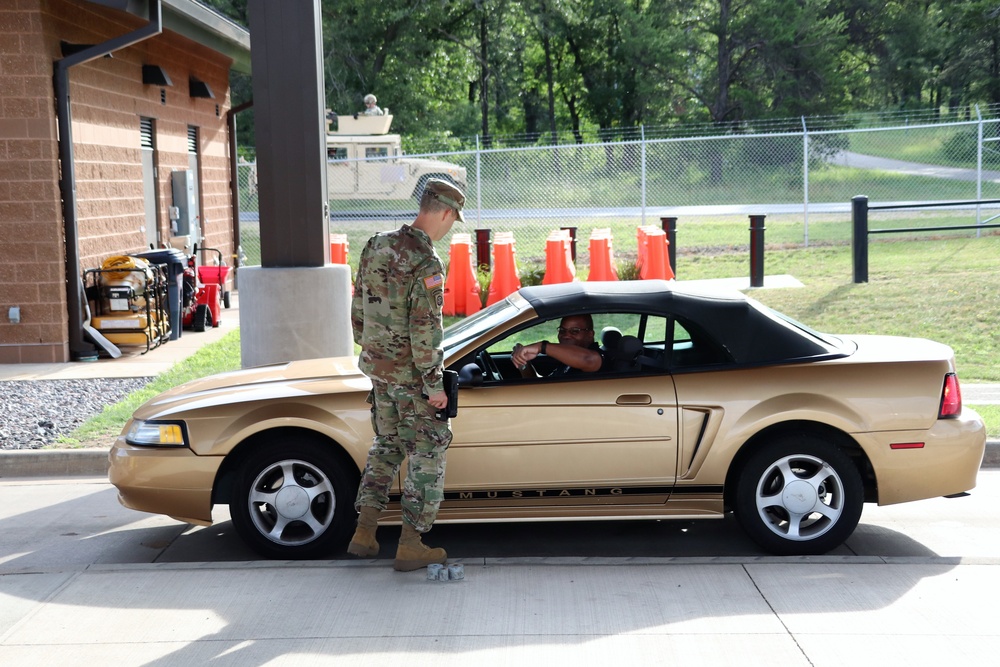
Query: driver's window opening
(628, 343)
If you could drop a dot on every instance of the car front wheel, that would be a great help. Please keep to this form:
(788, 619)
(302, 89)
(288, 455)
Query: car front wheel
(293, 502)
(799, 495)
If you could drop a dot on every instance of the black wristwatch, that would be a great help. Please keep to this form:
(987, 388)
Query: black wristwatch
(545, 345)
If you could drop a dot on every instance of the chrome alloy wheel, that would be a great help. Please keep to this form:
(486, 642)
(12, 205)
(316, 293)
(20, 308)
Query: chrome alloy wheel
(291, 502)
(800, 497)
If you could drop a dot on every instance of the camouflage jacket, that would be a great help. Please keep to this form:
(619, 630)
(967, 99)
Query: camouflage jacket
(396, 309)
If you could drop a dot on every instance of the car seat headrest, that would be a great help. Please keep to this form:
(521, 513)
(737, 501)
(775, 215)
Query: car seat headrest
(610, 337)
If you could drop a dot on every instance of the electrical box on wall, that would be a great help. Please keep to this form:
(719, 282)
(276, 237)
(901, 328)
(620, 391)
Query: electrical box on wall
(182, 187)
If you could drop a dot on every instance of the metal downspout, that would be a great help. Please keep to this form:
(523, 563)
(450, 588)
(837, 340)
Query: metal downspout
(78, 348)
(234, 185)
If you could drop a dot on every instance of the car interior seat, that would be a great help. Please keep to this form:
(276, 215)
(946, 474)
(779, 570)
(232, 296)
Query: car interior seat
(627, 355)
(611, 338)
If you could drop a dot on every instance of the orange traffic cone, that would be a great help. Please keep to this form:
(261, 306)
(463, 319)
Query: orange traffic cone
(653, 263)
(338, 252)
(602, 263)
(559, 266)
(505, 278)
(461, 289)
(338, 248)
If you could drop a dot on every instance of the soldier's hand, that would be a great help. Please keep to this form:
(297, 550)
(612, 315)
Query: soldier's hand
(438, 400)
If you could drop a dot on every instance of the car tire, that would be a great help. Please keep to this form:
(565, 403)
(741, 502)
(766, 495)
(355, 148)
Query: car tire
(202, 318)
(294, 501)
(799, 495)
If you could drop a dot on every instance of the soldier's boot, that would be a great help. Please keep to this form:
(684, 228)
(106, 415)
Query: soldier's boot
(363, 543)
(413, 554)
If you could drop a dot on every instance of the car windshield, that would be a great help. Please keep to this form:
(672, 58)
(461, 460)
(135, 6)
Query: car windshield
(475, 325)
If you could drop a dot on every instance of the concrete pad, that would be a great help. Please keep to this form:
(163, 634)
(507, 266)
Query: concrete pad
(75, 525)
(901, 601)
(298, 602)
(23, 595)
(826, 650)
(890, 531)
(439, 651)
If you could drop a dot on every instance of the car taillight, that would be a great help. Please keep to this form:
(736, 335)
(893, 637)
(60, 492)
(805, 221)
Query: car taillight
(951, 398)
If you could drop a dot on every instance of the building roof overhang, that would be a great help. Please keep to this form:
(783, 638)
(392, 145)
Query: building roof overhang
(198, 23)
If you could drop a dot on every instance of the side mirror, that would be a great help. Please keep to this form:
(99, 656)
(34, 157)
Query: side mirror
(471, 375)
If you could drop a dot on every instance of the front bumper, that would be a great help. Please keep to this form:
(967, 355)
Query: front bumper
(160, 480)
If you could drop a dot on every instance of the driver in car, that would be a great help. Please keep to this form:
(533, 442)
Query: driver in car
(576, 350)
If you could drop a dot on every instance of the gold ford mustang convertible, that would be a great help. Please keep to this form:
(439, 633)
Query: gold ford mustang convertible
(707, 402)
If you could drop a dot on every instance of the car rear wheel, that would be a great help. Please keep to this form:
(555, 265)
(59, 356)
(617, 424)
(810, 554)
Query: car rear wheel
(293, 502)
(799, 495)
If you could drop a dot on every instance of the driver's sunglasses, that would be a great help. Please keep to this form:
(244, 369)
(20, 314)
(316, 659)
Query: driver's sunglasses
(575, 331)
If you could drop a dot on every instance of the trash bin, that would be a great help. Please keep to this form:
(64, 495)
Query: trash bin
(175, 260)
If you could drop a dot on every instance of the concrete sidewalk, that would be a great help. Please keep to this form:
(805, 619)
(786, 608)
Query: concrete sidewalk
(588, 611)
(133, 363)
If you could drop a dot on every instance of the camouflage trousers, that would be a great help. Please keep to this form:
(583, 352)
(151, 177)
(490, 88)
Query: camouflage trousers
(405, 429)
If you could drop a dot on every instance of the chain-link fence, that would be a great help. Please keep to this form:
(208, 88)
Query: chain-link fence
(802, 181)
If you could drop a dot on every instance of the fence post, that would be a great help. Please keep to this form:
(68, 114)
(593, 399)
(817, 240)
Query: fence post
(757, 250)
(642, 176)
(479, 188)
(483, 249)
(572, 241)
(805, 180)
(669, 225)
(859, 237)
(979, 168)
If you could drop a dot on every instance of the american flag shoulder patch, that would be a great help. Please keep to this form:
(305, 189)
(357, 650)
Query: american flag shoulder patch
(430, 282)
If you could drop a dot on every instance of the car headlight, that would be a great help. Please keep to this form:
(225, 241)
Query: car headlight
(157, 434)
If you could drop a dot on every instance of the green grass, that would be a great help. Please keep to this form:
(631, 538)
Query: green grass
(218, 357)
(943, 289)
(952, 146)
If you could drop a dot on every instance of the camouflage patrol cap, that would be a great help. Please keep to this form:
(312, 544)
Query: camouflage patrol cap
(448, 194)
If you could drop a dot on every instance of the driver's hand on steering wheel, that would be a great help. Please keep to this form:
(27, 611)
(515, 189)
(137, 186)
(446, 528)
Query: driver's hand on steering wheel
(522, 354)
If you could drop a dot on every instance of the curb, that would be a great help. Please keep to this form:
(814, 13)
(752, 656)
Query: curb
(94, 462)
(53, 463)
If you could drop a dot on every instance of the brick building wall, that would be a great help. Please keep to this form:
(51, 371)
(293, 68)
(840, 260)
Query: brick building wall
(108, 99)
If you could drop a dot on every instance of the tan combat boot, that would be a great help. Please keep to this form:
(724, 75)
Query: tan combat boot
(363, 543)
(413, 554)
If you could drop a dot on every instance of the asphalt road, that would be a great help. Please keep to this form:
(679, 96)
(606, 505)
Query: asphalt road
(78, 522)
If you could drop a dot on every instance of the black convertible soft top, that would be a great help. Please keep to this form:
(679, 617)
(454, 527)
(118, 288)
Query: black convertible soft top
(751, 332)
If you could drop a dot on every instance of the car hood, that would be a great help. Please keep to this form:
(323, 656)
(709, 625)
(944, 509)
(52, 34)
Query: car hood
(311, 377)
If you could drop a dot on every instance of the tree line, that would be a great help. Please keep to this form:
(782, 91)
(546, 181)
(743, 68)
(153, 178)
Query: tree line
(459, 68)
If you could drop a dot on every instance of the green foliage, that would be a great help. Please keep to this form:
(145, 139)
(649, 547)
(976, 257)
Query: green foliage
(531, 274)
(627, 270)
(218, 357)
(451, 70)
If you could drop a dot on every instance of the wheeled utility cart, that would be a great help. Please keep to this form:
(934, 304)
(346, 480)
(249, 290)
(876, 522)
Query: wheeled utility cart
(128, 299)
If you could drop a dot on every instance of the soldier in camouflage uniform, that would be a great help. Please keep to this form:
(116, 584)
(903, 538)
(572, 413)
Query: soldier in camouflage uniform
(396, 316)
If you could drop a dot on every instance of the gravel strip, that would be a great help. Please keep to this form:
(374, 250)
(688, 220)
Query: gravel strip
(33, 413)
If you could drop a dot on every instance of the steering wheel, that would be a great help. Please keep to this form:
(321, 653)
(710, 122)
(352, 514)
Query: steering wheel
(490, 370)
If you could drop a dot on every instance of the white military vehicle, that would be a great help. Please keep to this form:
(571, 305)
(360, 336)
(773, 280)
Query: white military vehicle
(365, 162)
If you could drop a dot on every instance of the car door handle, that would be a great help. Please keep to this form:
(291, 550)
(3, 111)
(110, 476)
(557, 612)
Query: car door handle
(634, 399)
